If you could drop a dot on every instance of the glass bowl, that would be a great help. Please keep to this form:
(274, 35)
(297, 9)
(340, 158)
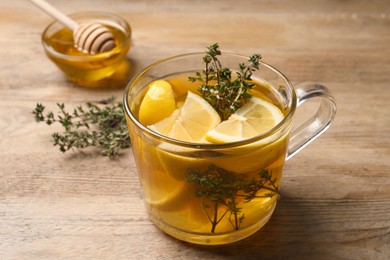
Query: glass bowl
(86, 69)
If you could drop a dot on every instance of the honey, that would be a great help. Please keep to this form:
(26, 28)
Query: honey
(86, 69)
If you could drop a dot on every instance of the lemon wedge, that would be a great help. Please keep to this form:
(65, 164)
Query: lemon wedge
(158, 103)
(254, 118)
(190, 122)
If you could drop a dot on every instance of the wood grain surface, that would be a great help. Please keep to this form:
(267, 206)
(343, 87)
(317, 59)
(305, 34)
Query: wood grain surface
(335, 201)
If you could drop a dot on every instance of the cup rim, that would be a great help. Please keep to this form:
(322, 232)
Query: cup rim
(99, 56)
(173, 141)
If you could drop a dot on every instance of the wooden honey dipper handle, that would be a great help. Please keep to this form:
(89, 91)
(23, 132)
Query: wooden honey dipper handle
(59, 16)
(89, 38)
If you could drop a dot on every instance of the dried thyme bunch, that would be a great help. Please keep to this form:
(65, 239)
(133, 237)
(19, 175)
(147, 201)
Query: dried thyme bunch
(101, 124)
(224, 92)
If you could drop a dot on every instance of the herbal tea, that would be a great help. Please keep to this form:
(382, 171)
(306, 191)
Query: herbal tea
(204, 192)
(210, 134)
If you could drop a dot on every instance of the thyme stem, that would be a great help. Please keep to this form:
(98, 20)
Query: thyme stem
(222, 188)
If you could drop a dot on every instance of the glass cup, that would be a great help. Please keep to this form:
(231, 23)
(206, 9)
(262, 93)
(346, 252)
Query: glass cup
(219, 193)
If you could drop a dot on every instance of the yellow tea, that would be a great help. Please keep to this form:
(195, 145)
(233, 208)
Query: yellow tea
(214, 194)
(210, 134)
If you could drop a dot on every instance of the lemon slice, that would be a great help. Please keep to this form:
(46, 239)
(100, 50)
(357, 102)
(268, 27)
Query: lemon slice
(255, 117)
(158, 103)
(190, 122)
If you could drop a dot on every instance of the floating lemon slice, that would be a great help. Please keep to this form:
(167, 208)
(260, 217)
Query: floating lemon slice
(254, 118)
(257, 116)
(158, 103)
(190, 122)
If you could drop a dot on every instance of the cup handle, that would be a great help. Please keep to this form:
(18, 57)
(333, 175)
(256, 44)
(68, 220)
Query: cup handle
(314, 126)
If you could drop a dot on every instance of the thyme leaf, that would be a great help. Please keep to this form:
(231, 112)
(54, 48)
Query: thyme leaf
(219, 88)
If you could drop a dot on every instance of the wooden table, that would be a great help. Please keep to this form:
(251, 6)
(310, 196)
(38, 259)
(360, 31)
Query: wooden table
(335, 201)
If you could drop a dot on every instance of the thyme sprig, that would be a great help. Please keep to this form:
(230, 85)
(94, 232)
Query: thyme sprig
(101, 124)
(219, 187)
(224, 92)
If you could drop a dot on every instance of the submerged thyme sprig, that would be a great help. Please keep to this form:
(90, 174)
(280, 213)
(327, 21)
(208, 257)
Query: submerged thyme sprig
(218, 87)
(101, 124)
(219, 187)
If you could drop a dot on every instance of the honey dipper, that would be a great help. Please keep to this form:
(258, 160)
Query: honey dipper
(89, 38)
